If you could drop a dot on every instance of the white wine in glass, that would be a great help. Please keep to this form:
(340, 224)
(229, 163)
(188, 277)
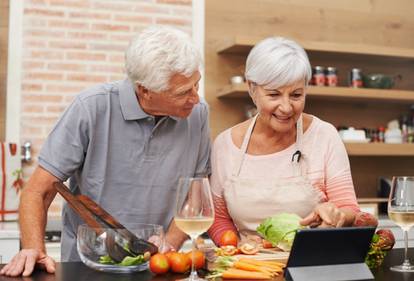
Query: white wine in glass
(194, 226)
(194, 212)
(401, 211)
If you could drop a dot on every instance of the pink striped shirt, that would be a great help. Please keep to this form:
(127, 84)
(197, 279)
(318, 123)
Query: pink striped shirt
(327, 163)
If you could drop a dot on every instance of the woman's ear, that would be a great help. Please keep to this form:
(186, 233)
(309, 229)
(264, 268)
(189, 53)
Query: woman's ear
(251, 87)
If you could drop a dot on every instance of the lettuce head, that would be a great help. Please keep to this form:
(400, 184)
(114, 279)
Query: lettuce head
(280, 229)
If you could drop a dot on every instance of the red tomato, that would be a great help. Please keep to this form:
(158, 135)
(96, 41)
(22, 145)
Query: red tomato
(228, 250)
(229, 238)
(159, 264)
(249, 249)
(199, 259)
(168, 255)
(267, 244)
(179, 262)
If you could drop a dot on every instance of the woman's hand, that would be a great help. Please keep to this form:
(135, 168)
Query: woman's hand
(325, 215)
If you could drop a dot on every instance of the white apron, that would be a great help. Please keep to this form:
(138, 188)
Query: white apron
(251, 200)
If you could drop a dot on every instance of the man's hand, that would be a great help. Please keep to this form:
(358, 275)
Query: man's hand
(162, 244)
(174, 238)
(24, 262)
(325, 215)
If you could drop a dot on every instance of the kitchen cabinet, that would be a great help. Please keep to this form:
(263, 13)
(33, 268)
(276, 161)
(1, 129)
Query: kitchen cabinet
(330, 37)
(9, 240)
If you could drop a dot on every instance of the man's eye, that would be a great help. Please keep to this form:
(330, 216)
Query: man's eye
(297, 95)
(182, 94)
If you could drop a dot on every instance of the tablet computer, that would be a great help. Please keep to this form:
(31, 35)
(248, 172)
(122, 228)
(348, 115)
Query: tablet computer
(329, 246)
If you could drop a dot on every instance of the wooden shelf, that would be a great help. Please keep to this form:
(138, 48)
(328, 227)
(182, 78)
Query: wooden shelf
(242, 45)
(379, 149)
(372, 200)
(341, 93)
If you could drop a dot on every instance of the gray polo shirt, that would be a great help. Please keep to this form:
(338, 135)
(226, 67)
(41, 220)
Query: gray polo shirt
(115, 153)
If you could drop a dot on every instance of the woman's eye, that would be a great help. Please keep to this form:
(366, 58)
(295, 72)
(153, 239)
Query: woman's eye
(297, 95)
(274, 94)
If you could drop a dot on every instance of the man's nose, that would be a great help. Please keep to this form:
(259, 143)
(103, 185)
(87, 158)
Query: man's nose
(194, 98)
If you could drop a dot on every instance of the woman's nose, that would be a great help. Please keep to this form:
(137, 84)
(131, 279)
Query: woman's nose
(285, 105)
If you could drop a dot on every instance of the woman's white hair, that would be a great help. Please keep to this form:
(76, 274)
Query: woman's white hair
(159, 52)
(276, 62)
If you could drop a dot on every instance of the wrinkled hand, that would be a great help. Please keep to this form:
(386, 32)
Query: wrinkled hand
(24, 262)
(162, 244)
(325, 215)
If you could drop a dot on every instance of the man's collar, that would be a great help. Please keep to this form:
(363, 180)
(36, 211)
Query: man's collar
(130, 107)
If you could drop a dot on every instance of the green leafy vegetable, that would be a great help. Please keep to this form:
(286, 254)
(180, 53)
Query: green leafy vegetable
(127, 261)
(126, 248)
(376, 254)
(106, 260)
(222, 263)
(280, 229)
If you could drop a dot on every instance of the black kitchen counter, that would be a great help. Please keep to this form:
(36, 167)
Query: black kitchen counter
(77, 271)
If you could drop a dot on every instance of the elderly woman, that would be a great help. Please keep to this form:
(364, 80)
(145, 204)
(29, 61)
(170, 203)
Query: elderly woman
(282, 160)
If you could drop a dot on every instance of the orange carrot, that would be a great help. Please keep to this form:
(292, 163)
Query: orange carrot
(268, 267)
(233, 273)
(264, 263)
(251, 267)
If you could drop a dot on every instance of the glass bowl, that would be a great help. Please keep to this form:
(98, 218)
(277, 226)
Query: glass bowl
(93, 252)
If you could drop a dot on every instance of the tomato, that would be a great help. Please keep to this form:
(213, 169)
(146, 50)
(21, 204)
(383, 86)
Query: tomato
(199, 259)
(179, 262)
(249, 249)
(168, 255)
(159, 264)
(267, 244)
(229, 238)
(228, 251)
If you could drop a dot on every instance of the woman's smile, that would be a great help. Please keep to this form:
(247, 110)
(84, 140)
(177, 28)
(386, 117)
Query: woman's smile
(284, 119)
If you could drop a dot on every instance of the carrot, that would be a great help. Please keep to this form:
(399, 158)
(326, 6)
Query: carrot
(268, 267)
(233, 273)
(263, 263)
(251, 267)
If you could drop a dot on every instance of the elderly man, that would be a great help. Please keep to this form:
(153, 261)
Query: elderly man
(124, 144)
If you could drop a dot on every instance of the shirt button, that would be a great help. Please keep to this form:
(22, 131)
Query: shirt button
(151, 136)
(149, 119)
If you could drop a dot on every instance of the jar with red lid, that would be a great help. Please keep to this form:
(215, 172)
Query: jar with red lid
(318, 76)
(331, 77)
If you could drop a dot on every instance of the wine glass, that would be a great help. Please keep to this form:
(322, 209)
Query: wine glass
(194, 212)
(401, 211)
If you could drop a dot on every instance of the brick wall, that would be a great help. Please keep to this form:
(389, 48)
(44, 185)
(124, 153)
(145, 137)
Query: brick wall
(69, 45)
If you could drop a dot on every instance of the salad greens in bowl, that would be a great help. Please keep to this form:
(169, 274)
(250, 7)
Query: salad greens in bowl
(110, 252)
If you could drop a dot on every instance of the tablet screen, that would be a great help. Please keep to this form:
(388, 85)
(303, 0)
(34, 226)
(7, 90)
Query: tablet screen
(327, 246)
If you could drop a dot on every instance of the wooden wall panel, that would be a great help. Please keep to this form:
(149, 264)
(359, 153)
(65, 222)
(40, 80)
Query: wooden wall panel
(371, 22)
(4, 34)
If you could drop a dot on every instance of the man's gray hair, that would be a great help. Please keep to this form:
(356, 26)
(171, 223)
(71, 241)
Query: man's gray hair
(276, 62)
(159, 52)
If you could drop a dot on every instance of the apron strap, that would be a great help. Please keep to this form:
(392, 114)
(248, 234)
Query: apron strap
(296, 157)
(299, 139)
(243, 148)
(298, 161)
